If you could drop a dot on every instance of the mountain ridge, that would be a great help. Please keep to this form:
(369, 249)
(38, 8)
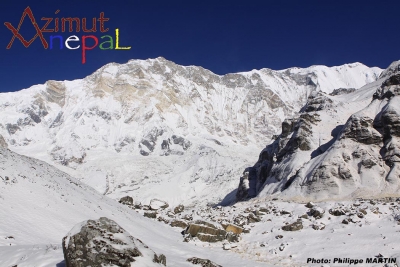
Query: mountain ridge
(185, 120)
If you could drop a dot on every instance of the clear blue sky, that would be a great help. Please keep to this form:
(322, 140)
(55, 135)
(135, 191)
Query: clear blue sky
(223, 36)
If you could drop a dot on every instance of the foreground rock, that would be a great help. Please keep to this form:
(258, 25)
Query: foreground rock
(296, 226)
(127, 200)
(178, 209)
(208, 232)
(203, 262)
(103, 242)
(156, 204)
(179, 223)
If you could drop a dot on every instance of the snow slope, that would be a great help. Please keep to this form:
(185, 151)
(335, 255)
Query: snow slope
(41, 204)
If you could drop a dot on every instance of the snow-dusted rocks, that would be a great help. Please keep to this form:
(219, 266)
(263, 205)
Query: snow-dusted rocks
(317, 212)
(156, 204)
(209, 232)
(339, 146)
(295, 226)
(126, 200)
(179, 223)
(317, 101)
(203, 262)
(103, 242)
(360, 129)
(178, 209)
(234, 229)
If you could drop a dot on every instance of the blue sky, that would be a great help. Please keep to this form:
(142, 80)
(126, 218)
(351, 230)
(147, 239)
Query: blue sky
(223, 36)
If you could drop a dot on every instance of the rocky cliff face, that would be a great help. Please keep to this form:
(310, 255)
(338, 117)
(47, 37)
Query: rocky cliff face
(151, 126)
(321, 156)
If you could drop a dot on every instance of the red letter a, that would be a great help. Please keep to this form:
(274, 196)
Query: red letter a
(39, 33)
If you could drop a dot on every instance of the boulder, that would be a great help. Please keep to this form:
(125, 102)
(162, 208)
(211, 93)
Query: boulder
(162, 219)
(179, 223)
(318, 226)
(208, 232)
(205, 233)
(178, 209)
(127, 200)
(310, 205)
(226, 246)
(252, 218)
(240, 220)
(156, 204)
(285, 212)
(296, 226)
(103, 242)
(152, 215)
(338, 211)
(138, 205)
(203, 262)
(234, 229)
(317, 212)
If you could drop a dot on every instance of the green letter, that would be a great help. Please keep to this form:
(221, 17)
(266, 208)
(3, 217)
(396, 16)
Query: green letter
(111, 41)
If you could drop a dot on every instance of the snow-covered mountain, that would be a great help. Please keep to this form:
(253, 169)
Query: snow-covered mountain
(339, 146)
(155, 129)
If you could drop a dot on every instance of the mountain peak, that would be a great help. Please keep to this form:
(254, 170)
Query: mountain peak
(393, 68)
(183, 119)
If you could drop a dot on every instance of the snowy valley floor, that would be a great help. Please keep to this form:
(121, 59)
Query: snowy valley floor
(348, 230)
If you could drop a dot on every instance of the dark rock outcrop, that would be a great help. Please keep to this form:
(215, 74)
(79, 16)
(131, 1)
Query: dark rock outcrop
(317, 101)
(317, 212)
(127, 200)
(152, 215)
(185, 144)
(103, 242)
(178, 209)
(203, 262)
(179, 223)
(296, 135)
(12, 128)
(342, 91)
(360, 129)
(296, 226)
